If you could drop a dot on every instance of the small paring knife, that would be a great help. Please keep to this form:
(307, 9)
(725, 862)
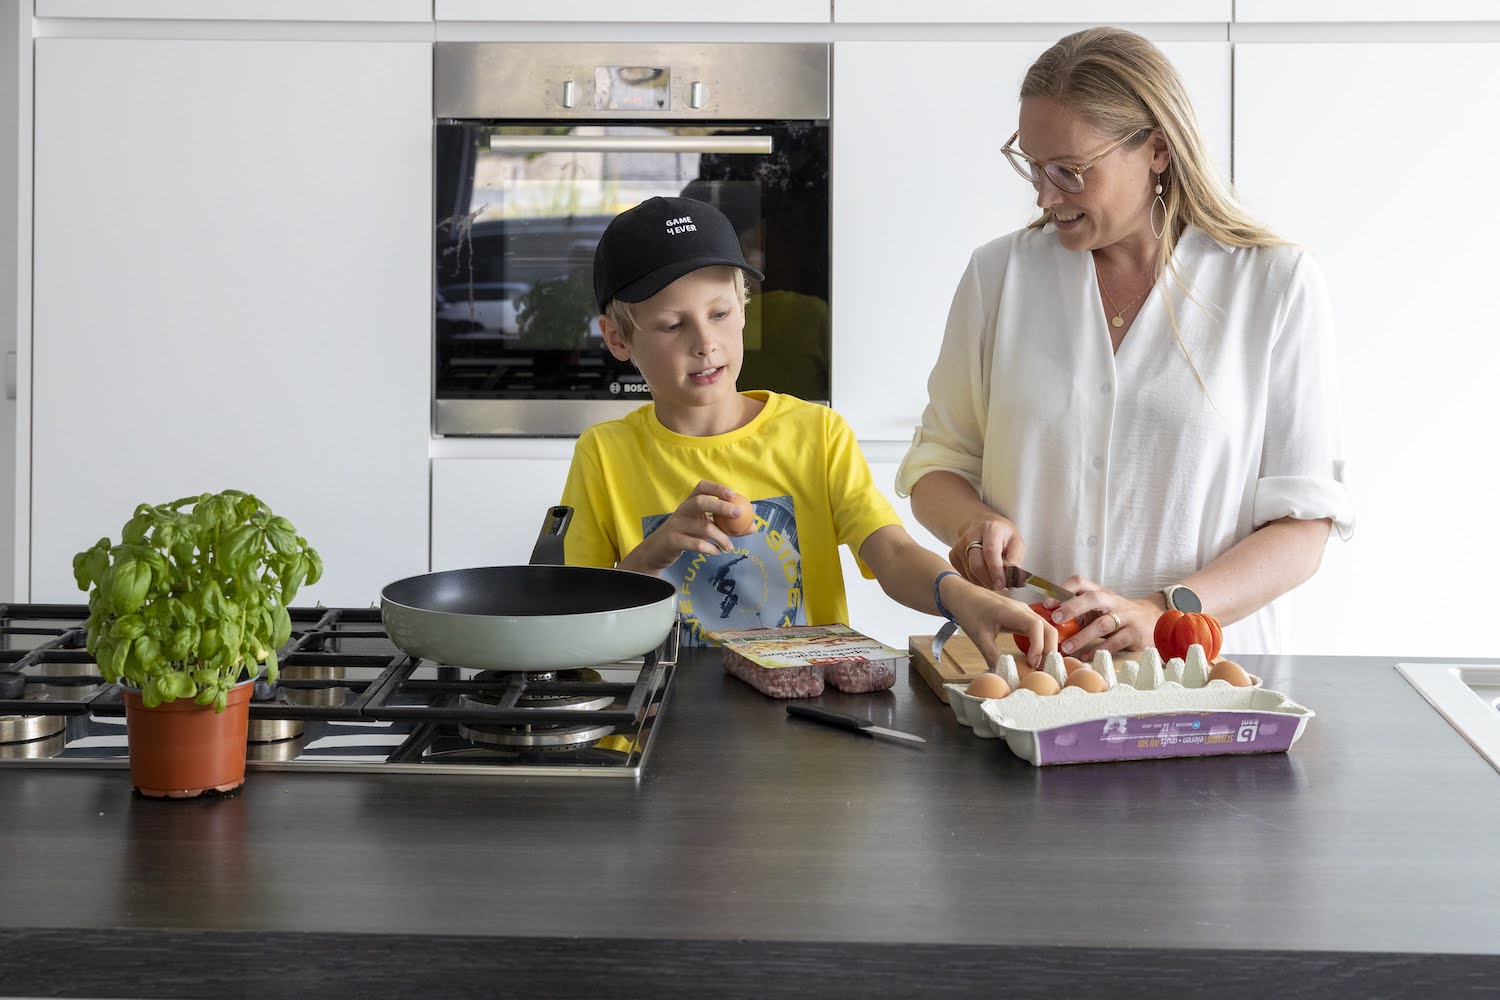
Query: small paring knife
(1015, 576)
(853, 723)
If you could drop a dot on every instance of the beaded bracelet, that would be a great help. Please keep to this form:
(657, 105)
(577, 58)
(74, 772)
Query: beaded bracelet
(937, 597)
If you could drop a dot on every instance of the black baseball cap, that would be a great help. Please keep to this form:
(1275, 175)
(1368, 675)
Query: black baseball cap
(646, 248)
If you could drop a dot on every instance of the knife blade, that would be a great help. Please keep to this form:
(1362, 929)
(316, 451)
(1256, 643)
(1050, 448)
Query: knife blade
(1015, 576)
(853, 723)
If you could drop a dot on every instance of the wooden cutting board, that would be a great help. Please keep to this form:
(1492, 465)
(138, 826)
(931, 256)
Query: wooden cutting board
(961, 660)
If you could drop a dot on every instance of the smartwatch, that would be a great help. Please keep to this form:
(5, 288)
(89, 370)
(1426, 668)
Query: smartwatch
(1179, 598)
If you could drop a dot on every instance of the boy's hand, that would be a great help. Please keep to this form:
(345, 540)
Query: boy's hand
(689, 529)
(984, 614)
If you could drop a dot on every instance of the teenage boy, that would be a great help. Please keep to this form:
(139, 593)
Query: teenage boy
(670, 281)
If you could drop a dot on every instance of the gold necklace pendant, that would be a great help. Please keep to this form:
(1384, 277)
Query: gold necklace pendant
(1119, 317)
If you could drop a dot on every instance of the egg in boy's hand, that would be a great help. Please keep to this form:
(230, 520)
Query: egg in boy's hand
(742, 525)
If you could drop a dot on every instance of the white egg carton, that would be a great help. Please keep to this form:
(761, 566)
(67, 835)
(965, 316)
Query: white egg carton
(1152, 709)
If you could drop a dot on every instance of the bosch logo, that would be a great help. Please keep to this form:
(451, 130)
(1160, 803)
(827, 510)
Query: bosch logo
(641, 388)
(614, 388)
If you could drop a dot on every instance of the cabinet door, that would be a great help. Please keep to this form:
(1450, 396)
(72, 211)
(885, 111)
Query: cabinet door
(489, 511)
(1327, 11)
(1057, 12)
(233, 289)
(241, 10)
(918, 184)
(637, 12)
(1343, 148)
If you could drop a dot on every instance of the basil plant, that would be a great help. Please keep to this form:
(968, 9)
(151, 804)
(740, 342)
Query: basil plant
(194, 597)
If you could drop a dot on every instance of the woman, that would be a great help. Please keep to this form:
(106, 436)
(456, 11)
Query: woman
(1136, 394)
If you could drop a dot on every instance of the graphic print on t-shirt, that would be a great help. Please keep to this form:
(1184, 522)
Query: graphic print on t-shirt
(758, 585)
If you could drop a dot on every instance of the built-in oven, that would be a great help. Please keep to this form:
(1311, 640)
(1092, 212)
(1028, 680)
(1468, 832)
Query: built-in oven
(539, 145)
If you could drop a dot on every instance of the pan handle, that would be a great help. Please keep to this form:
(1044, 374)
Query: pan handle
(549, 544)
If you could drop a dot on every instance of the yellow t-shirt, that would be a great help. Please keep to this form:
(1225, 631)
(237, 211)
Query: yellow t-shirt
(801, 468)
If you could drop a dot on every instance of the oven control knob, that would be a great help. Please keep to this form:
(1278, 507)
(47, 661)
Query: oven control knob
(696, 93)
(567, 93)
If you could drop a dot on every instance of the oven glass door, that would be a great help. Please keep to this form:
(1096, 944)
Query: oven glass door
(519, 212)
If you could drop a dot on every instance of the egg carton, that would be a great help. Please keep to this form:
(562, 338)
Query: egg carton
(1152, 709)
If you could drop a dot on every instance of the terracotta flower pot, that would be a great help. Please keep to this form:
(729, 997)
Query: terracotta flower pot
(180, 749)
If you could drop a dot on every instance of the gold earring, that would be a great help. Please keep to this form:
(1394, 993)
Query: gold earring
(1159, 201)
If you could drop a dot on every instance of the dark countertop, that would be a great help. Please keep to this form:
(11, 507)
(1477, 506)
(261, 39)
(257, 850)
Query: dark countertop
(766, 855)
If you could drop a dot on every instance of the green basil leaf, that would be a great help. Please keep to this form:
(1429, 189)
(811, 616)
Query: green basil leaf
(128, 583)
(127, 628)
(148, 653)
(229, 633)
(210, 643)
(180, 644)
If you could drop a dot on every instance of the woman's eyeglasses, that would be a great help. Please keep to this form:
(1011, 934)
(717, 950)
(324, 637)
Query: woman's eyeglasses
(1066, 176)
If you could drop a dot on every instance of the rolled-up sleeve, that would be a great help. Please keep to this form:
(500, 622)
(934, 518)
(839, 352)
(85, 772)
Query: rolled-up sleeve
(1303, 468)
(950, 437)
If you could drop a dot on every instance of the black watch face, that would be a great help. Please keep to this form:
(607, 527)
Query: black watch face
(1186, 601)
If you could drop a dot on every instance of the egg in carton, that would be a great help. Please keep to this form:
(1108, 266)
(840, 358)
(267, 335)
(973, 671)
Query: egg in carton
(1184, 707)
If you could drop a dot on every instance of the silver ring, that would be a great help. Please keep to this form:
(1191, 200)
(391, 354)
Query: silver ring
(974, 545)
(1118, 623)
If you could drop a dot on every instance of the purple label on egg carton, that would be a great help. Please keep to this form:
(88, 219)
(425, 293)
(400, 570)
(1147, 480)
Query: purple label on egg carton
(1175, 734)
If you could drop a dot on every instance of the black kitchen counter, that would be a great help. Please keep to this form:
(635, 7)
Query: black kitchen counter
(770, 856)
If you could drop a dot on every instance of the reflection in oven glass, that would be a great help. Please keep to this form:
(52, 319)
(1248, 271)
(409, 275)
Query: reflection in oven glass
(515, 316)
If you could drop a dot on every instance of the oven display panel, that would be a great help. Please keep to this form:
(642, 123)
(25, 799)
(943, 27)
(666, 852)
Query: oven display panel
(632, 88)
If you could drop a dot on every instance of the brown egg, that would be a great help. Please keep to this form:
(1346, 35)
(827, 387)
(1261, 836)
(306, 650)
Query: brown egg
(742, 525)
(1233, 673)
(1040, 682)
(1088, 679)
(988, 685)
(1072, 663)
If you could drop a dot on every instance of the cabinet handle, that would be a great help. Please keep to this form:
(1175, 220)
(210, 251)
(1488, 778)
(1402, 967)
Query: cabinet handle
(10, 374)
(631, 143)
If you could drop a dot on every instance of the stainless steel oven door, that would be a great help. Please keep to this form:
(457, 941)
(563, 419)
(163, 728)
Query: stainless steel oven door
(520, 204)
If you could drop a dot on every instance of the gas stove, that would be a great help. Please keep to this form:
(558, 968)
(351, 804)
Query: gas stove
(346, 700)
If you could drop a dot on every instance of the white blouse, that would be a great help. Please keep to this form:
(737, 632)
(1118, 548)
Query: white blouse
(1122, 467)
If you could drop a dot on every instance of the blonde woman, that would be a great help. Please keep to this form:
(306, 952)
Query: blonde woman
(1136, 395)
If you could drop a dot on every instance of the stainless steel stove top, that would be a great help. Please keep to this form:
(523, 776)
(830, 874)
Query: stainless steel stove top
(347, 700)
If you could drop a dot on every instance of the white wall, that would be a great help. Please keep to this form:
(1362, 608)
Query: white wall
(15, 270)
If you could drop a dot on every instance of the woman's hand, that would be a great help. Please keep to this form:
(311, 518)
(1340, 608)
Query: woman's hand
(688, 529)
(985, 546)
(984, 615)
(1109, 621)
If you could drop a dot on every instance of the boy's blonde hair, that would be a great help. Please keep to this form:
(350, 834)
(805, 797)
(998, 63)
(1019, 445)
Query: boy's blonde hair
(622, 314)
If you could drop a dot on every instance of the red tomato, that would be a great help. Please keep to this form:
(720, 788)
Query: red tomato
(1176, 631)
(1065, 631)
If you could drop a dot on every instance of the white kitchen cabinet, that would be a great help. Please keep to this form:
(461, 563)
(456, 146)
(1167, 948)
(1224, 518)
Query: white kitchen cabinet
(1345, 148)
(1333, 11)
(241, 10)
(489, 511)
(919, 183)
(1057, 12)
(233, 267)
(637, 12)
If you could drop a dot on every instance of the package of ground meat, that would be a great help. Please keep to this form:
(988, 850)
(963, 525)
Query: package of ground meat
(796, 661)
(778, 682)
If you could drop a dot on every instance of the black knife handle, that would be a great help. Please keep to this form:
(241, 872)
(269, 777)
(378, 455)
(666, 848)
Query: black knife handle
(853, 723)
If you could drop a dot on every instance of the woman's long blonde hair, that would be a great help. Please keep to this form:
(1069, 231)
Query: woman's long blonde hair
(1119, 84)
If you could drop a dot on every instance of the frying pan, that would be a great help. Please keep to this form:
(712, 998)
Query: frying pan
(533, 617)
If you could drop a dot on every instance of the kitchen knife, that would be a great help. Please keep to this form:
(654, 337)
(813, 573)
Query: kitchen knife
(1015, 576)
(853, 723)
